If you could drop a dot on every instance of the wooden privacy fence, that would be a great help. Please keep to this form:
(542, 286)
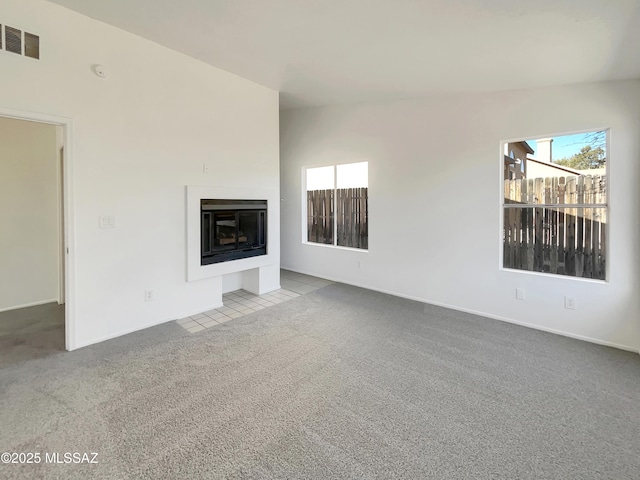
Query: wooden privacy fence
(556, 225)
(350, 206)
(320, 216)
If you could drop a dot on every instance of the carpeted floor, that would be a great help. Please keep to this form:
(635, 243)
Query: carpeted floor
(339, 383)
(31, 332)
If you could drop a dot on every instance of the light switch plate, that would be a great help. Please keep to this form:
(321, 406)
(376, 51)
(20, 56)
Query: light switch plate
(107, 221)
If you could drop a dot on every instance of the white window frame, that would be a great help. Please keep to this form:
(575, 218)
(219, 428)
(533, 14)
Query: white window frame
(606, 206)
(305, 239)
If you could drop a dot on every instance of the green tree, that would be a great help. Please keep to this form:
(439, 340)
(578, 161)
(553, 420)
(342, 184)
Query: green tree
(585, 159)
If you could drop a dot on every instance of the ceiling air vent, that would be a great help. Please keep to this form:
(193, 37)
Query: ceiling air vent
(31, 45)
(17, 41)
(13, 40)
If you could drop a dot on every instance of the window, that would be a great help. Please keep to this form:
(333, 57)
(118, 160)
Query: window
(555, 213)
(338, 205)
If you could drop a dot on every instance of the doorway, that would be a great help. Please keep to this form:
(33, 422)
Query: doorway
(35, 307)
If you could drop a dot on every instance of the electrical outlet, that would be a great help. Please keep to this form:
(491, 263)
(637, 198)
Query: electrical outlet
(148, 295)
(359, 263)
(205, 168)
(570, 303)
(520, 293)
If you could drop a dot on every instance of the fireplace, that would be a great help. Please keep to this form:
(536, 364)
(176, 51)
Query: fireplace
(232, 229)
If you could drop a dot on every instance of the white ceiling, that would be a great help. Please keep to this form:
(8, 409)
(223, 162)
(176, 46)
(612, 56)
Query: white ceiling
(321, 52)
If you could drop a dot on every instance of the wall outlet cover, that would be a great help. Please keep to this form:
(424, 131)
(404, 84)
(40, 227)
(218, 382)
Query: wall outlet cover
(570, 303)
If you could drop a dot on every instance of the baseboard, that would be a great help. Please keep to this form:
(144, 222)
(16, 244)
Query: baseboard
(32, 304)
(142, 327)
(191, 312)
(278, 287)
(476, 312)
(538, 327)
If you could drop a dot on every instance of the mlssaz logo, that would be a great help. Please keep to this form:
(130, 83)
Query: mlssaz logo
(71, 457)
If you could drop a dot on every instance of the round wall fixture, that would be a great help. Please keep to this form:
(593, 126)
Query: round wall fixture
(101, 71)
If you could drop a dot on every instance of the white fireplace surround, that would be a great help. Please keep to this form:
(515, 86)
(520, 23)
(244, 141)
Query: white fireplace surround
(259, 273)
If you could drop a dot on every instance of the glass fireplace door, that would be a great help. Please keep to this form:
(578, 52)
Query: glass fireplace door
(233, 231)
(225, 231)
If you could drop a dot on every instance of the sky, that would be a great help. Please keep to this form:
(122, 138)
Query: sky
(564, 146)
(351, 175)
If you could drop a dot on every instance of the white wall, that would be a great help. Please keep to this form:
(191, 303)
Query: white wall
(434, 187)
(139, 137)
(232, 282)
(28, 214)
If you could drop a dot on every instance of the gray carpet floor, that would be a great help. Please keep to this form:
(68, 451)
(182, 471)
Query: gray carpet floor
(339, 383)
(31, 332)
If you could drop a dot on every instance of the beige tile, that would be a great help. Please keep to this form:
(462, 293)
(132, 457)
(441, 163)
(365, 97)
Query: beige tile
(198, 316)
(259, 307)
(191, 323)
(291, 284)
(302, 289)
(210, 323)
(182, 321)
(224, 319)
(234, 315)
(195, 329)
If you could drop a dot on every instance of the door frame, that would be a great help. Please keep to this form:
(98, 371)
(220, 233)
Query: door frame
(67, 213)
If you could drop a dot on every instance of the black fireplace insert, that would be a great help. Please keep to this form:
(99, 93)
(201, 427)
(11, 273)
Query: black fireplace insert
(232, 229)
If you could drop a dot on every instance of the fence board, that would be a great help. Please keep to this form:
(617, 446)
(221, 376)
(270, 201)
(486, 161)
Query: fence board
(554, 236)
(602, 263)
(350, 209)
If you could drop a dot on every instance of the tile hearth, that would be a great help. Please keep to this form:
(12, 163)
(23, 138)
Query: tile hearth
(239, 303)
